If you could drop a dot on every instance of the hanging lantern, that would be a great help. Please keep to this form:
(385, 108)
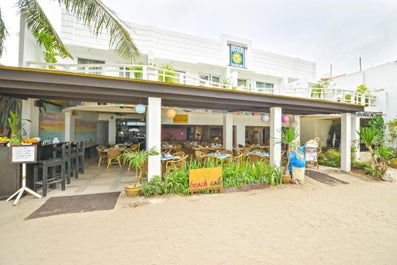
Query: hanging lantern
(264, 118)
(284, 119)
(171, 113)
(294, 124)
(140, 108)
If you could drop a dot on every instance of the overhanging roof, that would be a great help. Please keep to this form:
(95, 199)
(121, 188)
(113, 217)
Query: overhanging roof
(38, 83)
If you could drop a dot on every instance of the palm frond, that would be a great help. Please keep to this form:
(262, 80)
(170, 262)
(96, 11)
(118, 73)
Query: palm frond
(3, 34)
(98, 17)
(38, 22)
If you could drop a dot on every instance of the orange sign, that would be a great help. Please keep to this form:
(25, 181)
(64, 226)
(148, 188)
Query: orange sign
(181, 118)
(205, 179)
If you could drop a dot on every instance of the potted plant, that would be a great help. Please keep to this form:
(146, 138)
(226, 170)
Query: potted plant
(15, 128)
(288, 137)
(393, 162)
(136, 159)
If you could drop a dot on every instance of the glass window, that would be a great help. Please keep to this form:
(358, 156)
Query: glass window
(95, 70)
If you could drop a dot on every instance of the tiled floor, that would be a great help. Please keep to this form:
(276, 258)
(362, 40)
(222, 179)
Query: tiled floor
(96, 180)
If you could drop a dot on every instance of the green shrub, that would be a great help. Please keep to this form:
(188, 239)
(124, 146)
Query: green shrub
(234, 175)
(331, 158)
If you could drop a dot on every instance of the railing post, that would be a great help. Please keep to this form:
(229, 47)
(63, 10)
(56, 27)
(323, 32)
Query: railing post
(144, 72)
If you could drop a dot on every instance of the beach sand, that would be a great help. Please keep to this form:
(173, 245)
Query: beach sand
(306, 224)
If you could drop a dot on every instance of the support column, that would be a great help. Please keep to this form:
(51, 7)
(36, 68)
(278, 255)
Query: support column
(112, 130)
(345, 162)
(275, 136)
(32, 113)
(240, 130)
(153, 135)
(228, 131)
(355, 137)
(69, 127)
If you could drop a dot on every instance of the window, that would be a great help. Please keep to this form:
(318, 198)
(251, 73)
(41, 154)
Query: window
(209, 80)
(242, 82)
(95, 70)
(264, 87)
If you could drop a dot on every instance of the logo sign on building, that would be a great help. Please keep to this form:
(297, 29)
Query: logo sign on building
(205, 179)
(181, 119)
(237, 56)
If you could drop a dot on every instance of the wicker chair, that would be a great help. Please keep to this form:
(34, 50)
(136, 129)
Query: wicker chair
(113, 157)
(103, 156)
(171, 165)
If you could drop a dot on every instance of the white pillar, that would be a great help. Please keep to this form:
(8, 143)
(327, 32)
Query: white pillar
(153, 135)
(69, 127)
(228, 131)
(112, 130)
(355, 137)
(275, 136)
(345, 142)
(240, 130)
(30, 118)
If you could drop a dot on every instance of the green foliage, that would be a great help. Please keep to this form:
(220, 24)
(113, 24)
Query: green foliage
(15, 127)
(234, 175)
(392, 125)
(154, 187)
(289, 136)
(330, 158)
(137, 70)
(319, 88)
(3, 34)
(366, 169)
(378, 124)
(167, 74)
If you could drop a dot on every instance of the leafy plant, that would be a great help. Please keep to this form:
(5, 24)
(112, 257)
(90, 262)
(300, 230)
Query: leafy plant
(137, 70)
(137, 158)
(15, 127)
(154, 187)
(167, 74)
(330, 158)
(289, 137)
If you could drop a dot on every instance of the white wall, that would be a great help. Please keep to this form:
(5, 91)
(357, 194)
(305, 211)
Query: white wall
(312, 127)
(382, 80)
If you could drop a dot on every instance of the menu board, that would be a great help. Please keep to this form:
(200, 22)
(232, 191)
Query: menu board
(311, 154)
(23, 153)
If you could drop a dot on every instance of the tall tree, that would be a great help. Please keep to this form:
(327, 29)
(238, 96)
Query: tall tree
(93, 13)
(3, 34)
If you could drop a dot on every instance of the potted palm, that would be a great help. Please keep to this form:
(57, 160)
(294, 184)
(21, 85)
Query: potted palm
(288, 137)
(136, 159)
(15, 128)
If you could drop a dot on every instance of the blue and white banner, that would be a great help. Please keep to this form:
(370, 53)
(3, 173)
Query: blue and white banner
(237, 56)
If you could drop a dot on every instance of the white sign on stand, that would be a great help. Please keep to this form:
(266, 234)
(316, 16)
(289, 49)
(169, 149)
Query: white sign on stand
(23, 154)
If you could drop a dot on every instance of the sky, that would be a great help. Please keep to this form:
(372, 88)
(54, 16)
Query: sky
(333, 34)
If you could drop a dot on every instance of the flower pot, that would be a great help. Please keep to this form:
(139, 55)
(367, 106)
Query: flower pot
(286, 179)
(132, 190)
(393, 163)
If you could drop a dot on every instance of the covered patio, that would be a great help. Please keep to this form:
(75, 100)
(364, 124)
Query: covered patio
(35, 83)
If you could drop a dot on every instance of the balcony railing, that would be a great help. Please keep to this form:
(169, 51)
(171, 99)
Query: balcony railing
(148, 72)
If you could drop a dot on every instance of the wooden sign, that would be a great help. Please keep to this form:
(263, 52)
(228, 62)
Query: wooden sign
(311, 154)
(23, 153)
(181, 118)
(205, 179)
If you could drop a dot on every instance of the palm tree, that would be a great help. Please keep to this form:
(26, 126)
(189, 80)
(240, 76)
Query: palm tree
(3, 34)
(93, 13)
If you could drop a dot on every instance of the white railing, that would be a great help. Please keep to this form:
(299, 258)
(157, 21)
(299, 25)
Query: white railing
(168, 75)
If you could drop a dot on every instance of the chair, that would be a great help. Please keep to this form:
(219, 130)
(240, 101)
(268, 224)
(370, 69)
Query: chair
(142, 171)
(172, 165)
(199, 156)
(255, 158)
(179, 153)
(246, 149)
(238, 158)
(103, 156)
(113, 157)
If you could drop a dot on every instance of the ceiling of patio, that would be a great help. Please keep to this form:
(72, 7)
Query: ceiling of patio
(46, 84)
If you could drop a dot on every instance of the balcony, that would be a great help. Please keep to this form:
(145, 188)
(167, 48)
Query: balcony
(168, 75)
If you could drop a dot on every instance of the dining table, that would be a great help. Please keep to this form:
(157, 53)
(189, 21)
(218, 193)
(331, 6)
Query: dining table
(262, 154)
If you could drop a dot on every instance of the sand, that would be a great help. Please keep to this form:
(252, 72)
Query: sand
(289, 224)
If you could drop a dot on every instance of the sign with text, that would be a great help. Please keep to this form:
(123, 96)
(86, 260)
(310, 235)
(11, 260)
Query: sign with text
(23, 153)
(237, 56)
(205, 179)
(181, 118)
(311, 154)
